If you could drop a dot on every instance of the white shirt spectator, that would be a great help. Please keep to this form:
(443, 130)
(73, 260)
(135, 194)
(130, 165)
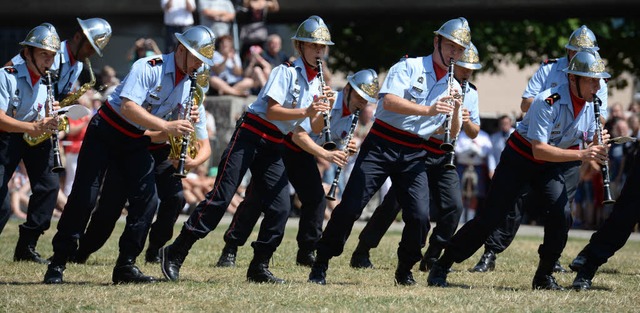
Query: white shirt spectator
(178, 15)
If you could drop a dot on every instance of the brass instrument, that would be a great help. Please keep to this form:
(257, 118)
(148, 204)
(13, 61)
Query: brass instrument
(63, 123)
(331, 195)
(186, 140)
(449, 162)
(604, 168)
(446, 142)
(176, 141)
(326, 130)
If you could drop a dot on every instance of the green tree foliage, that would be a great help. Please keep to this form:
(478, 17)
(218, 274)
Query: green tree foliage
(362, 44)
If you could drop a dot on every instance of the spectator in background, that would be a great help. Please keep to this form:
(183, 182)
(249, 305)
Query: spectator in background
(273, 51)
(217, 15)
(476, 164)
(72, 142)
(178, 16)
(499, 138)
(254, 29)
(108, 77)
(258, 69)
(228, 78)
(142, 48)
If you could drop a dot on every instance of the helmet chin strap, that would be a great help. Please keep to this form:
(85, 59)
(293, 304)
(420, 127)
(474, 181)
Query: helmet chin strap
(75, 55)
(304, 59)
(33, 60)
(440, 50)
(578, 87)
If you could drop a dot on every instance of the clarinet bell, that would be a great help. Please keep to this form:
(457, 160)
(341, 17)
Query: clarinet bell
(446, 146)
(329, 145)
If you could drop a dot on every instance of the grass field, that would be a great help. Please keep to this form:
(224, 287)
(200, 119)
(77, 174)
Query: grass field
(205, 288)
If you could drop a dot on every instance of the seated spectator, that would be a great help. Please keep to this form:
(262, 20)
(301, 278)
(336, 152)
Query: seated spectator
(227, 75)
(258, 69)
(273, 51)
(108, 78)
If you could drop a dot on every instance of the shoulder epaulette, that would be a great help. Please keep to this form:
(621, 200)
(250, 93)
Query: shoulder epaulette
(406, 56)
(552, 98)
(472, 86)
(550, 61)
(11, 70)
(287, 63)
(154, 62)
(606, 80)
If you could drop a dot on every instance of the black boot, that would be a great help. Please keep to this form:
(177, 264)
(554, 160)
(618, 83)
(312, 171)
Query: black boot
(584, 277)
(438, 275)
(258, 271)
(126, 272)
(360, 257)
(403, 275)
(152, 254)
(318, 273)
(173, 255)
(228, 256)
(487, 262)
(543, 278)
(430, 257)
(54, 274)
(577, 263)
(305, 257)
(26, 247)
(557, 268)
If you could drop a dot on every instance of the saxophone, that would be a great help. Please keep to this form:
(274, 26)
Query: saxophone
(63, 124)
(176, 141)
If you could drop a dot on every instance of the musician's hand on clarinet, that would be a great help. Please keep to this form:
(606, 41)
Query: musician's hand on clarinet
(330, 94)
(606, 137)
(317, 106)
(188, 163)
(195, 114)
(337, 157)
(56, 105)
(440, 107)
(595, 152)
(466, 116)
(47, 125)
(178, 128)
(352, 147)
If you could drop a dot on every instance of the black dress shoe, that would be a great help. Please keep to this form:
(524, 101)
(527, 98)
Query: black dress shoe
(29, 254)
(170, 263)
(577, 263)
(318, 273)
(404, 279)
(487, 263)
(129, 273)
(557, 268)
(54, 274)
(437, 276)
(152, 255)
(360, 260)
(227, 258)
(259, 273)
(545, 282)
(581, 284)
(305, 258)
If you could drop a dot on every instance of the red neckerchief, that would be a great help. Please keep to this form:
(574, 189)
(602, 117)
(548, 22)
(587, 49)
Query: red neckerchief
(72, 59)
(179, 74)
(34, 77)
(577, 103)
(311, 72)
(345, 107)
(439, 71)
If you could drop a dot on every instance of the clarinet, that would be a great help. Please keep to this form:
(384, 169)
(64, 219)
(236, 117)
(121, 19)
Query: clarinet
(55, 143)
(449, 163)
(180, 172)
(331, 195)
(447, 145)
(326, 130)
(608, 199)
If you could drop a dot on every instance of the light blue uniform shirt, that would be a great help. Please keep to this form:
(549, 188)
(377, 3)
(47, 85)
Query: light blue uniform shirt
(471, 103)
(414, 79)
(554, 124)
(150, 84)
(67, 74)
(550, 75)
(18, 98)
(288, 86)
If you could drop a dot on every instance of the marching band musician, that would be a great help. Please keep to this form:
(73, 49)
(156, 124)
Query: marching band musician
(542, 153)
(413, 102)
(113, 197)
(115, 138)
(549, 75)
(302, 148)
(24, 102)
(291, 94)
(445, 205)
(92, 37)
